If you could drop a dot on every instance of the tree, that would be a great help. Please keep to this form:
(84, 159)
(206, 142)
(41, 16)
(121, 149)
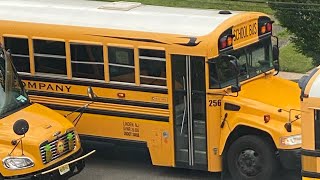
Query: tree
(302, 18)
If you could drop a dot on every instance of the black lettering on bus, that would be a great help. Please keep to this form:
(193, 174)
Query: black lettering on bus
(32, 85)
(59, 88)
(50, 87)
(42, 85)
(68, 88)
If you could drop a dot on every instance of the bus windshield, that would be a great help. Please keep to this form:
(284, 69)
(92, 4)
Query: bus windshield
(12, 94)
(253, 60)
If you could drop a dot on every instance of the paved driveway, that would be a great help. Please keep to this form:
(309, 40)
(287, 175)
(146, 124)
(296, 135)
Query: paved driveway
(117, 163)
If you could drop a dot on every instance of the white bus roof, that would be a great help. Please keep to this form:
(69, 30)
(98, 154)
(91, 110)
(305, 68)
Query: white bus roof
(315, 88)
(122, 16)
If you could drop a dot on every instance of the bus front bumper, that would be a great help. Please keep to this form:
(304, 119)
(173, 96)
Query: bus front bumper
(75, 163)
(290, 158)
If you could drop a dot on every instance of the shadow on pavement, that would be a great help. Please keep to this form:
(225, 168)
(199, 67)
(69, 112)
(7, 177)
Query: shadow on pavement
(134, 164)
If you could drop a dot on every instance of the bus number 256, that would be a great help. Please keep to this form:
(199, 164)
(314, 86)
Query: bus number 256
(214, 102)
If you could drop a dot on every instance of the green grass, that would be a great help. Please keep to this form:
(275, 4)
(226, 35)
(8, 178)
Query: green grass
(293, 61)
(210, 4)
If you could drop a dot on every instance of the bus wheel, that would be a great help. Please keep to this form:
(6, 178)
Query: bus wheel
(250, 158)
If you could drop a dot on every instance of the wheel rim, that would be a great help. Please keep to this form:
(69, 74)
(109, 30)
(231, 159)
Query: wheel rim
(249, 162)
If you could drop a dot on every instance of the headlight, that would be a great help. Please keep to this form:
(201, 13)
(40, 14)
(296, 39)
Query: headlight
(291, 140)
(14, 163)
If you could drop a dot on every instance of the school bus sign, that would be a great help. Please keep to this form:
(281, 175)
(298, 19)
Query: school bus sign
(244, 32)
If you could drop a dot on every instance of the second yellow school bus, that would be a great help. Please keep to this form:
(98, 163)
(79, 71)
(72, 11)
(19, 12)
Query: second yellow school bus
(310, 99)
(196, 87)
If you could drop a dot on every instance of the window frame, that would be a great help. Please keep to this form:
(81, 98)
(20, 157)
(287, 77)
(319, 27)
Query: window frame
(59, 57)
(87, 62)
(231, 52)
(121, 65)
(19, 55)
(152, 58)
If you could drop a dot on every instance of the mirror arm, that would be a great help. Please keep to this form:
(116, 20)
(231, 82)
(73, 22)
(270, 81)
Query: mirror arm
(80, 108)
(18, 141)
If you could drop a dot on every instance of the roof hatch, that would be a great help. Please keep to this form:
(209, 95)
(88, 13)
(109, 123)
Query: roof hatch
(120, 5)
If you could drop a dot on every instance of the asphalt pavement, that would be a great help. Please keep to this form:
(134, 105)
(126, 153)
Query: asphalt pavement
(123, 163)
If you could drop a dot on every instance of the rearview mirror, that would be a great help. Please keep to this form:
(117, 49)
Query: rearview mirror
(235, 89)
(288, 127)
(275, 57)
(90, 93)
(21, 127)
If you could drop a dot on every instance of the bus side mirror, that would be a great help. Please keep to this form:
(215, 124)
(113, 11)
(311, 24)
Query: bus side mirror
(21, 127)
(237, 87)
(90, 93)
(275, 57)
(288, 127)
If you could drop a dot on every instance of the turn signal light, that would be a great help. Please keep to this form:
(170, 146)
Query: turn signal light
(121, 95)
(267, 118)
(267, 27)
(226, 41)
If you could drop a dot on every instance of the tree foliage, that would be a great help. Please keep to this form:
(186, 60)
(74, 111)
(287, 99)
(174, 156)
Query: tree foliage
(302, 18)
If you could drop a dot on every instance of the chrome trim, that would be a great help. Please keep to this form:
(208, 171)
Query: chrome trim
(53, 145)
(87, 62)
(24, 73)
(189, 109)
(40, 74)
(121, 65)
(49, 55)
(20, 55)
(153, 77)
(152, 58)
(88, 80)
(123, 83)
(154, 86)
(17, 157)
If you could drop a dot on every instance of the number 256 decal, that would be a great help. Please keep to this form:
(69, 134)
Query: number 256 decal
(214, 102)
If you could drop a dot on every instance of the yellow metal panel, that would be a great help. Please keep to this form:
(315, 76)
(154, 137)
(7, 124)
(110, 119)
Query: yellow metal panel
(106, 64)
(136, 66)
(68, 60)
(31, 56)
(309, 163)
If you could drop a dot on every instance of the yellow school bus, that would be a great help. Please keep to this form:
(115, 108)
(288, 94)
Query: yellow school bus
(36, 142)
(310, 99)
(195, 87)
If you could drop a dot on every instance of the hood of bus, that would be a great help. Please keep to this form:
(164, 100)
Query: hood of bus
(265, 96)
(43, 124)
(274, 91)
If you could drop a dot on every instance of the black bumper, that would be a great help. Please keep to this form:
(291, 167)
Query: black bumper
(290, 159)
(75, 168)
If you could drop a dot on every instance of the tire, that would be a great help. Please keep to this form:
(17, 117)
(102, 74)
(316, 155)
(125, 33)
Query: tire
(252, 158)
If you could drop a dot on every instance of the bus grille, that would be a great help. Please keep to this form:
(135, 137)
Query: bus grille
(49, 150)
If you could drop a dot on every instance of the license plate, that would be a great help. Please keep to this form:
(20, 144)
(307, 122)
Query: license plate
(64, 169)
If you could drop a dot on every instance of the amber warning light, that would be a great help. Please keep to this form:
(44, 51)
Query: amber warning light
(266, 27)
(226, 41)
(267, 118)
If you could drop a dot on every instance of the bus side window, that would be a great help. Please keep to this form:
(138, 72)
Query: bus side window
(19, 49)
(214, 81)
(152, 67)
(50, 57)
(121, 64)
(87, 61)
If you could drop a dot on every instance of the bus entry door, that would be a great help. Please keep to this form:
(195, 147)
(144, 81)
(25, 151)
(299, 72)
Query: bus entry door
(189, 102)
